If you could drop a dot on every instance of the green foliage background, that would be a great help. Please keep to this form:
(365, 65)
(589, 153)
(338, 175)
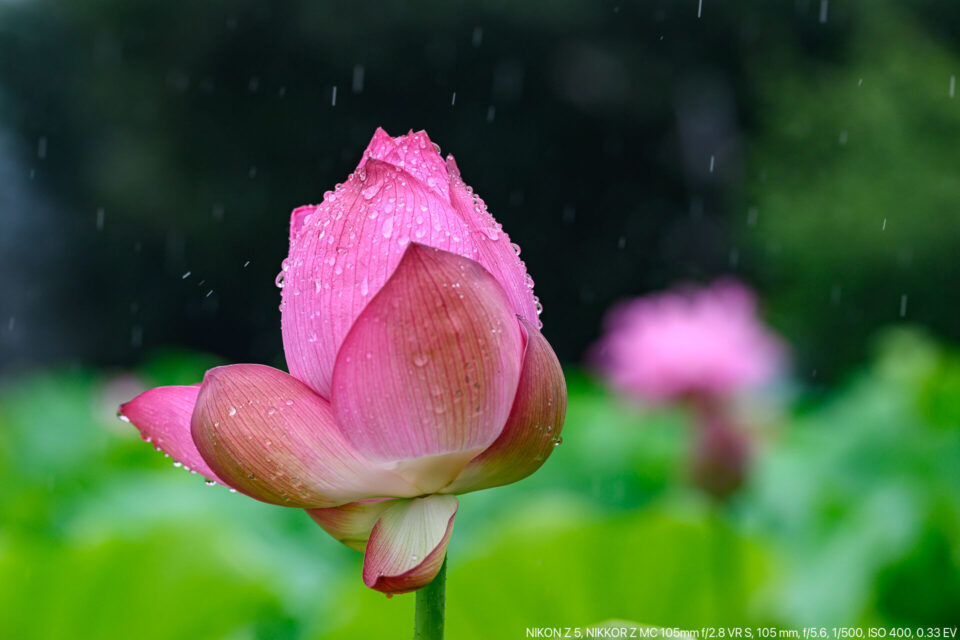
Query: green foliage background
(852, 516)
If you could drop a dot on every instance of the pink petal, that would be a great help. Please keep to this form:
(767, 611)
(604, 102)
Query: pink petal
(351, 523)
(297, 219)
(343, 253)
(496, 253)
(408, 544)
(273, 438)
(416, 154)
(426, 377)
(163, 417)
(533, 428)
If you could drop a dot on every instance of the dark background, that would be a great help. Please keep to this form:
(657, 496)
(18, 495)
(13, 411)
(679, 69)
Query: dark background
(140, 140)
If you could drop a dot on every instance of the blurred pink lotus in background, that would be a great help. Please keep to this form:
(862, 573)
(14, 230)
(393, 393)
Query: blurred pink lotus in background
(706, 342)
(698, 347)
(417, 370)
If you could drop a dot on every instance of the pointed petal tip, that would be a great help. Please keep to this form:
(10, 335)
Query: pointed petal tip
(162, 416)
(452, 167)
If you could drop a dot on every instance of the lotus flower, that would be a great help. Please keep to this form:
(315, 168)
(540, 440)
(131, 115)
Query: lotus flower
(700, 343)
(417, 369)
(700, 348)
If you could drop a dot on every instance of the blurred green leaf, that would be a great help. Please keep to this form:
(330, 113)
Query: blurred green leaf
(552, 563)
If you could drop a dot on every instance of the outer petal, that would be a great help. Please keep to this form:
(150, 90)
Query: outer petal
(351, 523)
(408, 544)
(533, 428)
(496, 253)
(163, 417)
(343, 252)
(416, 154)
(273, 438)
(430, 369)
(298, 217)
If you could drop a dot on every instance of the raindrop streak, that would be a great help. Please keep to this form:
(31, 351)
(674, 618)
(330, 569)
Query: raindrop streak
(823, 11)
(185, 276)
(491, 112)
(358, 72)
(884, 227)
(333, 96)
(101, 218)
(712, 162)
(453, 99)
(700, 8)
(903, 305)
(953, 86)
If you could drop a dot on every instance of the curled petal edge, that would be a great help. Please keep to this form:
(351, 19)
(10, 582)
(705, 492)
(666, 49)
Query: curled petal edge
(408, 544)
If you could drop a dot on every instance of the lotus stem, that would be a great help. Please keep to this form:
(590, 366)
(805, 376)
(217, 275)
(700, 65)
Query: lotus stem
(431, 600)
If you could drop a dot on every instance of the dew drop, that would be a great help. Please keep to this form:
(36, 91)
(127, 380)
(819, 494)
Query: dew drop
(491, 233)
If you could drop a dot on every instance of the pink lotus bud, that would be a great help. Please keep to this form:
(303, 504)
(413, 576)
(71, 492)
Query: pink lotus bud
(417, 370)
(702, 343)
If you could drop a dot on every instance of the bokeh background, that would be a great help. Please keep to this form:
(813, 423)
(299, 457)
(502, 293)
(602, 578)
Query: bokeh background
(150, 154)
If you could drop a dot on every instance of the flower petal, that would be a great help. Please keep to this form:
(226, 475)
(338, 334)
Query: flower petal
(351, 523)
(273, 438)
(297, 219)
(344, 251)
(416, 154)
(533, 428)
(163, 417)
(408, 544)
(496, 252)
(426, 377)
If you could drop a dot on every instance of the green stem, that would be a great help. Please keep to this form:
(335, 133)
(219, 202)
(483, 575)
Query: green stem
(428, 623)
